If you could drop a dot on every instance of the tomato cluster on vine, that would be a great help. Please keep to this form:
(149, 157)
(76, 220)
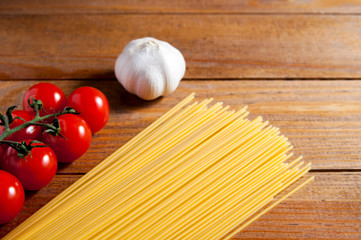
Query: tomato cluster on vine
(29, 156)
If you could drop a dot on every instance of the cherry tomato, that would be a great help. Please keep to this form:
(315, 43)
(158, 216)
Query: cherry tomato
(31, 132)
(36, 171)
(52, 97)
(12, 197)
(92, 105)
(77, 138)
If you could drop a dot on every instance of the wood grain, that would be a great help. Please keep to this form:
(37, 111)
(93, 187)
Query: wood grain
(331, 202)
(178, 6)
(322, 119)
(75, 43)
(214, 46)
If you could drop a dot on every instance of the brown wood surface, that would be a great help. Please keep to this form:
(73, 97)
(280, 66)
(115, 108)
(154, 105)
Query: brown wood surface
(240, 52)
(179, 6)
(324, 126)
(222, 46)
(328, 208)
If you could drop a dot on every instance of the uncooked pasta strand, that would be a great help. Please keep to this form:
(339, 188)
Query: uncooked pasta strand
(144, 184)
(58, 199)
(211, 175)
(251, 209)
(154, 193)
(197, 172)
(220, 192)
(97, 188)
(234, 232)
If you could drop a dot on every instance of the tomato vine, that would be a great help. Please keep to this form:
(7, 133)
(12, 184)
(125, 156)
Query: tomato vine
(53, 128)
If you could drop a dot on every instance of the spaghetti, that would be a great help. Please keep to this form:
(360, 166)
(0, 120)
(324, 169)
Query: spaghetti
(197, 172)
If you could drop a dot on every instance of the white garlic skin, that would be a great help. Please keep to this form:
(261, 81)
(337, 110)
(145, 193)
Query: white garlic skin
(150, 68)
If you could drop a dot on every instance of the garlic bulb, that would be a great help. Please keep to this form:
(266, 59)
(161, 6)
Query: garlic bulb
(150, 68)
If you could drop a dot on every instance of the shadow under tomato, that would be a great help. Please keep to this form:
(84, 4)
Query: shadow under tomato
(62, 166)
(30, 194)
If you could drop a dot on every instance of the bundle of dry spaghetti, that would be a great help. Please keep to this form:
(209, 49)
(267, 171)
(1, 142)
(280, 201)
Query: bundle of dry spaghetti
(198, 172)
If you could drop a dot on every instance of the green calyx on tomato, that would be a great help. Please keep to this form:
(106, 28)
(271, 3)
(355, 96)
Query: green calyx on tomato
(52, 98)
(35, 170)
(76, 140)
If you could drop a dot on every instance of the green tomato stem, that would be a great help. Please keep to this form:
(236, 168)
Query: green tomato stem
(35, 121)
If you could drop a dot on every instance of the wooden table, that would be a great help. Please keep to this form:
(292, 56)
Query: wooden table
(297, 63)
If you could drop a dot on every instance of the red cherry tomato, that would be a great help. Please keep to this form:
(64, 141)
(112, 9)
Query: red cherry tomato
(92, 105)
(52, 97)
(31, 132)
(77, 138)
(38, 169)
(12, 197)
